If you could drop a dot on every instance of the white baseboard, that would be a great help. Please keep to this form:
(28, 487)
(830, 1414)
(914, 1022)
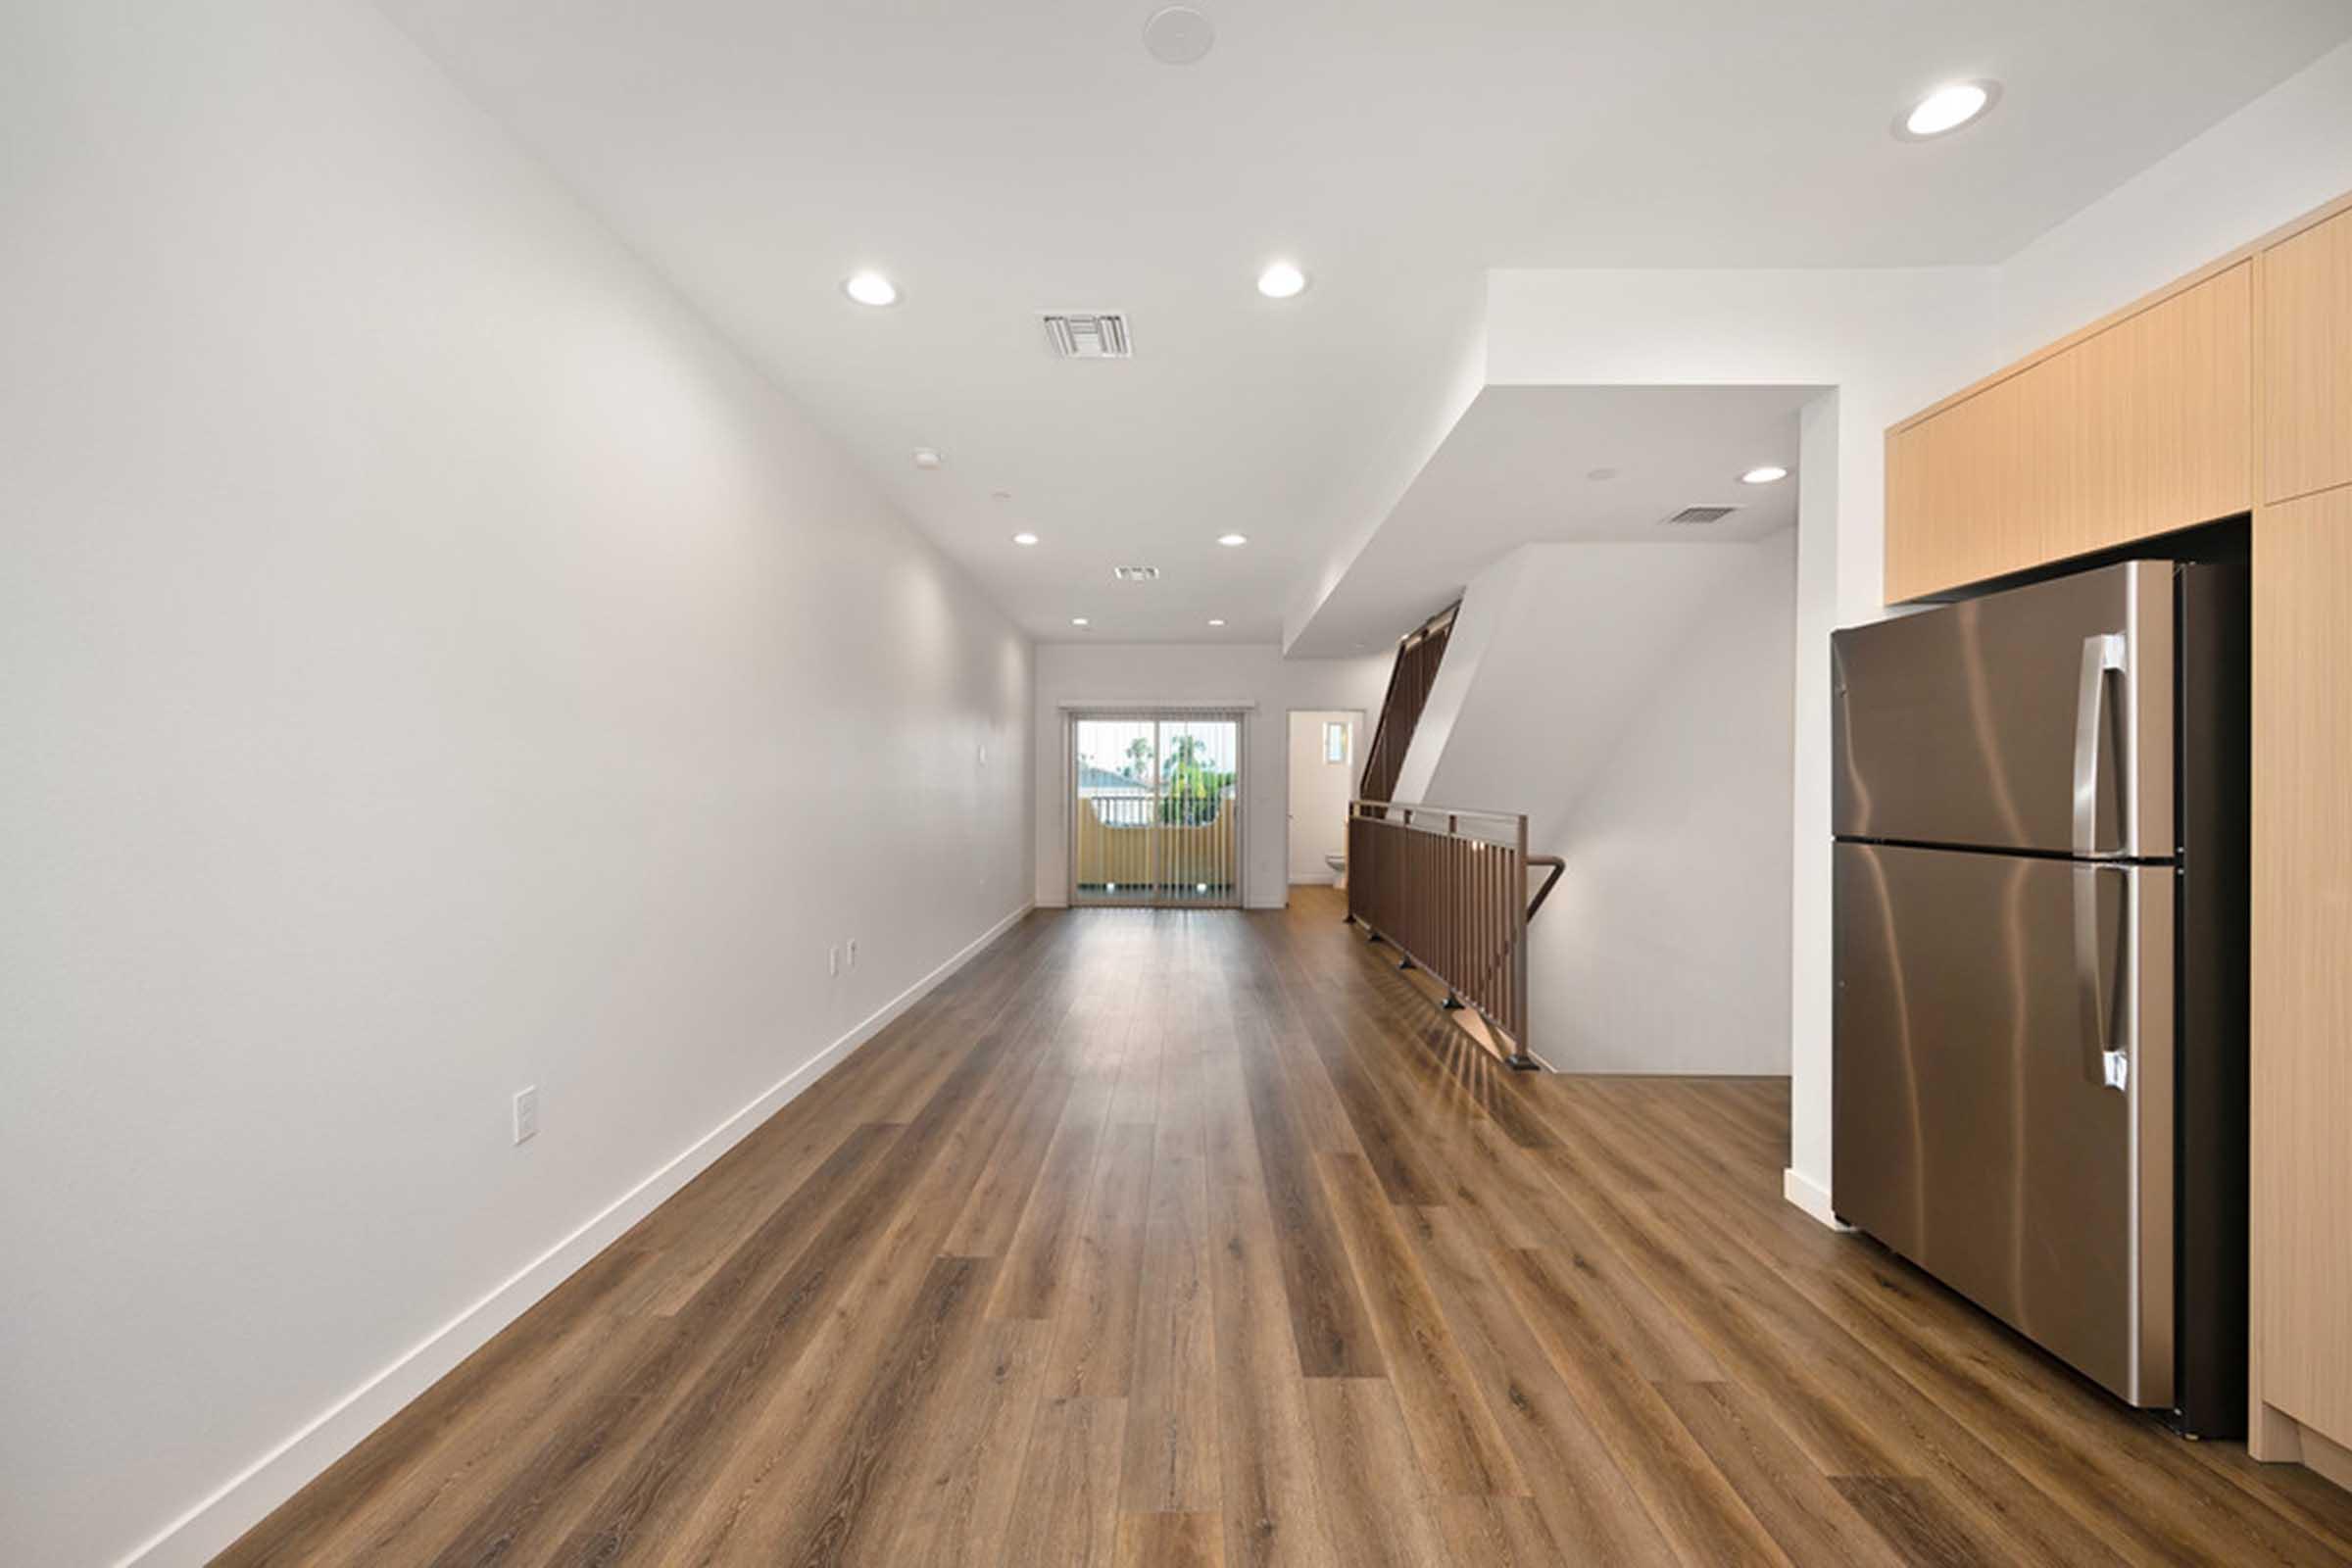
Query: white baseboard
(219, 1519)
(1811, 1196)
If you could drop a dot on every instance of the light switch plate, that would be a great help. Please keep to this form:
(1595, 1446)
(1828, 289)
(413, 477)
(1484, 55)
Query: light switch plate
(526, 1114)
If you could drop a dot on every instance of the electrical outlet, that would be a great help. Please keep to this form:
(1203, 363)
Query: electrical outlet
(852, 958)
(526, 1114)
(832, 961)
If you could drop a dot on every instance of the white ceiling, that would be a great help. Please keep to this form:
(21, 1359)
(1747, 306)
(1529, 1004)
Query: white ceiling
(1519, 468)
(1000, 158)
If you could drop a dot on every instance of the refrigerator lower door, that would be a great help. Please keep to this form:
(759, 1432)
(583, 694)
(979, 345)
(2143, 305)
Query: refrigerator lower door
(2003, 1066)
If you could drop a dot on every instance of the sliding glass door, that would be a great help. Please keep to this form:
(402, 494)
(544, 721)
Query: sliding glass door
(1155, 809)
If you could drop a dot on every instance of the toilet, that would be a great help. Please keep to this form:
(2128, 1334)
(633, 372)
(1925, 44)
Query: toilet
(1339, 869)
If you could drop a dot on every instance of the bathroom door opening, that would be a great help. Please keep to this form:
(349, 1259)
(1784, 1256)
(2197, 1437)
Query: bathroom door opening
(1155, 810)
(1324, 770)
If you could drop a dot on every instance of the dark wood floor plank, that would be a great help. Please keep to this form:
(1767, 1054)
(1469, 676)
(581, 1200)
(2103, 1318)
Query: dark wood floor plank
(1169, 1463)
(1796, 1503)
(1691, 1501)
(1580, 1487)
(1380, 1126)
(1088, 1051)
(1170, 1540)
(868, 1475)
(1500, 1533)
(1461, 1448)
(1094, 1341)
(1328, 1316)
(957, 1513)
(1914, 1519)
(1066, 1513)
(1374, 1502)
(1270, 1497)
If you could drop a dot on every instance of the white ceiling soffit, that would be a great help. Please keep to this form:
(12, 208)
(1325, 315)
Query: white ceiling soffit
(995, 161)
(1565, 464)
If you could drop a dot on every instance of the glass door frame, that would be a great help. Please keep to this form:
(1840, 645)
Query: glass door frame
(1157, 716)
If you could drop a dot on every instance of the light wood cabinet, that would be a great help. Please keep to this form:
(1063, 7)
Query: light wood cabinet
(2302, 962)
(2139, 427)
(2306, 346)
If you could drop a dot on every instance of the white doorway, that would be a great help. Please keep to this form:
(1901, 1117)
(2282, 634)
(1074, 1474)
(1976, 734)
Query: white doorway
(1325, 763)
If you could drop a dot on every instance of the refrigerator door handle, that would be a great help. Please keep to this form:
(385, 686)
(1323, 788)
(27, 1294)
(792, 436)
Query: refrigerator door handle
(2110, 1063)
(2101, 653)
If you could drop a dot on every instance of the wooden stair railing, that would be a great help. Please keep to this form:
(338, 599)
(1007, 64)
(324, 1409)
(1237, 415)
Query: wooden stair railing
(1448, 888)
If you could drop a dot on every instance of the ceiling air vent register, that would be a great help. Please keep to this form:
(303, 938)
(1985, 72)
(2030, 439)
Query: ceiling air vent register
(1690, 517)
(1136, 573)
(1088, 335)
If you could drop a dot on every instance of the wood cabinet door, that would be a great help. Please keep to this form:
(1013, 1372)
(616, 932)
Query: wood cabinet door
(2306, 361)
(2302, 960)
(2142, 427)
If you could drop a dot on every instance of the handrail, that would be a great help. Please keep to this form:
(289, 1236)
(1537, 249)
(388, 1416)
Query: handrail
(1451, 901)
(1410, 806)
(1558, 869)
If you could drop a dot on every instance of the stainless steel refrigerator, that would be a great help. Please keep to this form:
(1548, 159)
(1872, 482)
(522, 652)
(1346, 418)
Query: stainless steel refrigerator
(2040, 807)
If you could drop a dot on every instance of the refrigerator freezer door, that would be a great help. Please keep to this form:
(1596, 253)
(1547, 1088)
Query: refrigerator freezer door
(1983, 1129)
(2040, 718)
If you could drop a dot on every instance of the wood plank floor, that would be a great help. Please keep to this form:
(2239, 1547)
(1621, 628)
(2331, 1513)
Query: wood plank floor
(1201, 1238)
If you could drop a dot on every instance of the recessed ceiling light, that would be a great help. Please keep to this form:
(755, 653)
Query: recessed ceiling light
(1769, 473)
(925, 458)
(1280, 280)
(1178, 35)
(1229, 540)
(1080, 621)
(1216, 620)
(1947, 108)
(870, 288)
(1024, 538)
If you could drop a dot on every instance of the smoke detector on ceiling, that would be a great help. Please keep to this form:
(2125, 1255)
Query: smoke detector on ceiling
(1088, 335)
(1690, 517)
(1136, 573)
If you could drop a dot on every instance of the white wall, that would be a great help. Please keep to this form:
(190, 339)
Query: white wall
(431, 663)
(2284, 154)
(1665, 947)
(1180, 672)
(1635, 700)
(1320, 789)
